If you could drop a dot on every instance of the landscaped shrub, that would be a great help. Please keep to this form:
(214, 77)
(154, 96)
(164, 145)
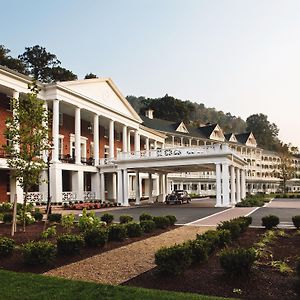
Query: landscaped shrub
(117, 232)
(161, 222)
(243, 222)
(96, 237)
(125, 219)
(296, 221)
(6, 246)
(54, 218)
(145, 217)
(67, 221)
(233, 226)
(251, 202)
(237, 261)
(88, 221)
(224, 237)
(270, 221)
(211, 239)
(172, 219)
(298, 267)
(134, 229)
(148, 226)
(69, 244)
(199, 250)
(174, 260)
(38, 216)
(7, 217)
(38, 252)
(49, 232)
(108, 218)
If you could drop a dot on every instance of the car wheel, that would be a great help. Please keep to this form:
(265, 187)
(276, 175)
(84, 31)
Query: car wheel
(167, 202)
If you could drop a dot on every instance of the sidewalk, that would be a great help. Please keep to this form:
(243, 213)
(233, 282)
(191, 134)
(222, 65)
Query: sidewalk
(121, 264)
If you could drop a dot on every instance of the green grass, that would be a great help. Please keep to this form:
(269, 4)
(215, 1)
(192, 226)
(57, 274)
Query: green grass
(31, 286)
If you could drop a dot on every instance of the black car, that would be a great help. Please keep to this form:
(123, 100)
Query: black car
(178, 197)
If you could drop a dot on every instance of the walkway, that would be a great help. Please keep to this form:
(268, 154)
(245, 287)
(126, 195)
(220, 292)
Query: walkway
(121, 264)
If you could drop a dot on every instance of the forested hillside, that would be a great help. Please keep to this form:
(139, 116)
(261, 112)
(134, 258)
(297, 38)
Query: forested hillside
(172, 109)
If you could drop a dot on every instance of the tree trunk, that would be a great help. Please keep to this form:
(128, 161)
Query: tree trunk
(24, 210)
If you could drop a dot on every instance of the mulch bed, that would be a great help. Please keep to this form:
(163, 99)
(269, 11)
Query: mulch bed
(208, 278)
(33, 232)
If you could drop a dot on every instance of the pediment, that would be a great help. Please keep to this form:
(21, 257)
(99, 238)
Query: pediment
(217, 134)
(182, 128)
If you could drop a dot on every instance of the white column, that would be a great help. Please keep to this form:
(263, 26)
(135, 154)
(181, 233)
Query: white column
(114, 186)
(55, 183)
(102, 187)
(181, 141)
(95, 182)
(243, 184)
(96, 139)
(128, 141)
(232, 183)
(147, 144)
(125, 187)
(225, 184)
(197, 142)
(45, 152)
(238, 185)
(150, 187)
(43, 186)
(77, 136)
(137, 188)
(190, 142)
(218, 186)
(111, 139)
(166, 186)
(137, 143)
(77, 184)
(120, 198)
(55, 130)
(124, 139)
(155, 144)
(173, 141)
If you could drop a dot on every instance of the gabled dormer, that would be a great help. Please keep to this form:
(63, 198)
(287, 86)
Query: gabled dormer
(230, 137)
(251, 141)
(181, 128)
(247, 139)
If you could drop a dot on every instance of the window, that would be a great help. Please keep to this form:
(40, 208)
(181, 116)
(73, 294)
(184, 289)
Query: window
(118, 136)
(106, 133)
(106, 151)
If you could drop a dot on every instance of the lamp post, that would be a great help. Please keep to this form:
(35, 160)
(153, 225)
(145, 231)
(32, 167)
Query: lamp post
(48, 207)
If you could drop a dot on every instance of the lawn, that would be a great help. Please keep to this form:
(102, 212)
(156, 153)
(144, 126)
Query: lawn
(31, 286)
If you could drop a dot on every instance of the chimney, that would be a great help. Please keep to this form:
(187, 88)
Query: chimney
(149, 113)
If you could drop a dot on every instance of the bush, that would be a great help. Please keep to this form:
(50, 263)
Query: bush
(172, 219)
(49, 232)
(161, 222)
(117, 232)
(145, 217)
(270, 221)
(199, 250)
(108, 218)
(134, 229)
(298, 267)
(173, 260)
(251, 202)
(88, 221)
(6, 246)
(67, 221)
(69, 244)
(211, 239)
(237, 261)
(7, 217)
(96, 237)
(296, 221)
(148, 226)
(224, 237)
(54, 218)
(233, 226)
(243, 222)
(38, 252)
(125, 219)
(38, 216)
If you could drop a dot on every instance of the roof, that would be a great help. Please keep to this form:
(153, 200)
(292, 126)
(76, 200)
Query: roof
(243, 137)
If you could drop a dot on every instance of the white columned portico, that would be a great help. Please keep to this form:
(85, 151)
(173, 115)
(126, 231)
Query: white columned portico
(124, 139)
(243, 184)
(96, 139)
(125, 188)
(232, 185)
(56, 182)
(218, 186)
(77, 136)
(137, 188)
(150, 188)
(225, 184)
(120, 187)
(95, 182)
(55, 130)
(238, 185)
(102, 187)
(137, 143)
(111, 139)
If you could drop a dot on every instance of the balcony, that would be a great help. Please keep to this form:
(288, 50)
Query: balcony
(68, 159)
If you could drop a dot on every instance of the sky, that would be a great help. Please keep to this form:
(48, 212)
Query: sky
(239, 56)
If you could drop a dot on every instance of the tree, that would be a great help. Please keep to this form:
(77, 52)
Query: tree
(9, 62)
(286, 171)
(27, 136)
(62, 74)
(266, 133)
(90, 76)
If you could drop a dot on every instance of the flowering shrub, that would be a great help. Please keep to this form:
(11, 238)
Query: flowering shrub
(88, 221)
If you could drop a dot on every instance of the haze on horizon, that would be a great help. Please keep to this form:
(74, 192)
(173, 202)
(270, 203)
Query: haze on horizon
(241, 57)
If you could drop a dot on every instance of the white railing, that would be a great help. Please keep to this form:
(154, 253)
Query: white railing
(68, 196)
(174, 152)
(35, 197)
(88, 195)
(106, 161)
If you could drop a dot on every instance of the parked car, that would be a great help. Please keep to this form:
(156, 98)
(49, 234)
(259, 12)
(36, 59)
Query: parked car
(178, 197)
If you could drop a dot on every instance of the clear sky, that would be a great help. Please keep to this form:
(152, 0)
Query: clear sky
(239, 56)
